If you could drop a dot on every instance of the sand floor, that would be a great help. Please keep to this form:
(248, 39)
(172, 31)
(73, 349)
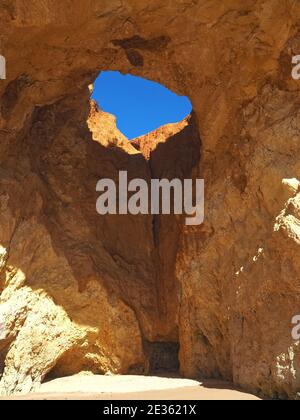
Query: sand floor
(94, 387)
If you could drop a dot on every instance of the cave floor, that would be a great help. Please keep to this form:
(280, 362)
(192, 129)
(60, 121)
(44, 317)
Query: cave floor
(96, 387)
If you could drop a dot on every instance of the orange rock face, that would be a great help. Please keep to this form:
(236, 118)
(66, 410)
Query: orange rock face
(124, 294)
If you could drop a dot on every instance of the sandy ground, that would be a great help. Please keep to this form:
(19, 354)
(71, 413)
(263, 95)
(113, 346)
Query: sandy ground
(88, 387)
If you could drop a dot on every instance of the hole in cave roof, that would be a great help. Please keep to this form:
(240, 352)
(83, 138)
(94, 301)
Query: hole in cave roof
(139, 105)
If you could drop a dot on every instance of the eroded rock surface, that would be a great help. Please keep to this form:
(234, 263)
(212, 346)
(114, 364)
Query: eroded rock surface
(83, 292)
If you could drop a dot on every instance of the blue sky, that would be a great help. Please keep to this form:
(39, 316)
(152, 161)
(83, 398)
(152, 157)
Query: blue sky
(139, 105)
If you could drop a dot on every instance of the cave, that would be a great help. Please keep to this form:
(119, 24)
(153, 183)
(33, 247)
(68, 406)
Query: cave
(77, 292)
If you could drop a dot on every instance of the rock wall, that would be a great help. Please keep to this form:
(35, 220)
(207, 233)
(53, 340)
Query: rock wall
(81, 292)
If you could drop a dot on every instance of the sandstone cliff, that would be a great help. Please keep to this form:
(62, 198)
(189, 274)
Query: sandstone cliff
(122, 294)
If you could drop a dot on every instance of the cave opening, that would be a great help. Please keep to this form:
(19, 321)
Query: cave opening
(163, 357)
(139, 105)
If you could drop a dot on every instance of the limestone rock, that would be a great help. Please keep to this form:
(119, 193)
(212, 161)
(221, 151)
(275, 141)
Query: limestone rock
(96, 293)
